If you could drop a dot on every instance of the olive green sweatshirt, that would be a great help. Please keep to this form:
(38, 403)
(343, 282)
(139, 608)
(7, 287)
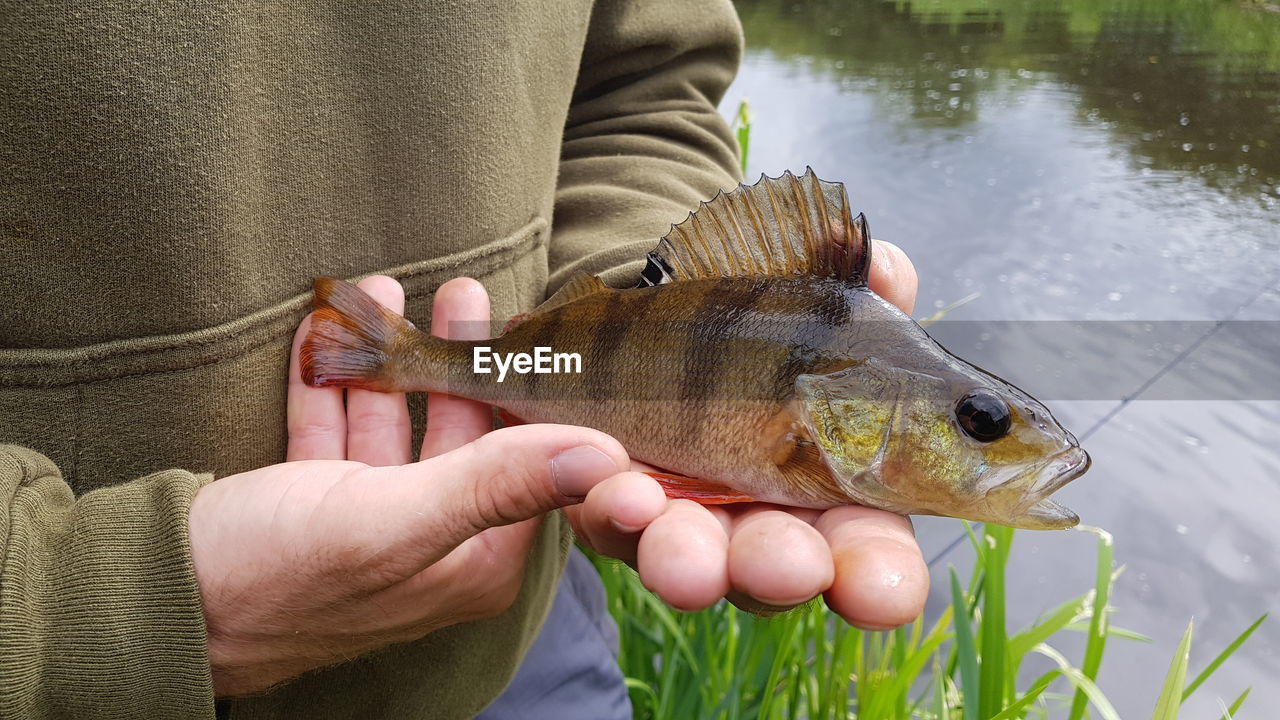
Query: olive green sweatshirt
(173, 176)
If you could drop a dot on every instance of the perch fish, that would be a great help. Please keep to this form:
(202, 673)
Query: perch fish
(753, 363)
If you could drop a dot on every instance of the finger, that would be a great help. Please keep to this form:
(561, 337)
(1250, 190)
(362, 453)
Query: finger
(504, 477)
(683, 556)
(460, 311)
(615, 513)
(316, 420)
(777, 558)
(378, 429)
(881, 580)
(893, 277)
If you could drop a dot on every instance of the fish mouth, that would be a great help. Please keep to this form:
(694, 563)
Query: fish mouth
(1038, 511)
(1060, 470)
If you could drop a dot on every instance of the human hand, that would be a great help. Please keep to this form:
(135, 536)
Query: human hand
(348, 547)
(767, 558)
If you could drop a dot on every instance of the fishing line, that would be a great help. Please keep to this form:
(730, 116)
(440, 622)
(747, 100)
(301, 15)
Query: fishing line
(1124, 402)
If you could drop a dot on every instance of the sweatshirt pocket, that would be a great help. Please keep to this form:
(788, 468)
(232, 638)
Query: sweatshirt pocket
(212, 400)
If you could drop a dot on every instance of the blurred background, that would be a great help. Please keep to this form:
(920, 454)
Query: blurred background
(1079, 161)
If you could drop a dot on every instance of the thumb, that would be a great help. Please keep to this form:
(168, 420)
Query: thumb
(893, 277)
(505, 477)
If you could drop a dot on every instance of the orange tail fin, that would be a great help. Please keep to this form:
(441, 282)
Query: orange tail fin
(351, 338)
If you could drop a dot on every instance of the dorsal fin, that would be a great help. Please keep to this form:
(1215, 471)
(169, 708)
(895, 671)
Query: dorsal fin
(578, 286)
(780, 226)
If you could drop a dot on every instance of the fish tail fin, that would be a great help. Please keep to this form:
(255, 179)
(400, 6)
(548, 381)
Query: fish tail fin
(352, 339)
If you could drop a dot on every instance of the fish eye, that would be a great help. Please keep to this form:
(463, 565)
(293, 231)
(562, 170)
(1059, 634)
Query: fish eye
(983, 415)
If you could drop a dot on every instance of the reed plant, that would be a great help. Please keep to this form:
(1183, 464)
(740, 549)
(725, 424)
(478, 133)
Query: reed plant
(964, 664)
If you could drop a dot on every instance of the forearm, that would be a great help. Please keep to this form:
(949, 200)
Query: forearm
(644, 143)
(99, 609)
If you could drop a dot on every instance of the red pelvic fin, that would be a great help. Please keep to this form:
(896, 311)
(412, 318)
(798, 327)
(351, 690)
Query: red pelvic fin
(703, 492)
(514, 321)
(508, 419)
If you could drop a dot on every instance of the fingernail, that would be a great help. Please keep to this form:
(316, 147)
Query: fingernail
(884, 258)
(577, 470)
(624, 527)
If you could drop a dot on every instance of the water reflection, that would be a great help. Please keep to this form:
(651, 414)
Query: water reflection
(1081, 161)
(1187, 86)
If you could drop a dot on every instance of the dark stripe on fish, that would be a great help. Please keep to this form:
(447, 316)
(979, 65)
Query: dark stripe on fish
(812, 336)
(544, 335)
(710, 350)
(599, 382)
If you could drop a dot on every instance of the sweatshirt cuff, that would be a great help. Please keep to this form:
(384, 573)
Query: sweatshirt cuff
(100, 612)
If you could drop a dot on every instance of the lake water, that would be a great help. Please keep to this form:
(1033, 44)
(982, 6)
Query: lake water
(1117, 166)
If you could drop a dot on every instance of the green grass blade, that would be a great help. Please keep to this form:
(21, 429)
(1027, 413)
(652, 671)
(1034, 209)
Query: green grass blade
(1060, 617)
(941, 708)
(842, 668)
(977, 581)
(742, 128)
(899, 663)
(1235, 706)
(911, 667)
(993, 632)
(966, 653)
(1098, 622)
(1112, 631)
(970, 610)
(975, 544)
(1039, 686)
(1171, 696)
(926, 322)
(1222, 657)
(1083, 683)
(781, 659)
(644, 690)
(666, 616)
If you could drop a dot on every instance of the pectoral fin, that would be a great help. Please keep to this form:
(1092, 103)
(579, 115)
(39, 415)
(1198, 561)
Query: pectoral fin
(787, 440)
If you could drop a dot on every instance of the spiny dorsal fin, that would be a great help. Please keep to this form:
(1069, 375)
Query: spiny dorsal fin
(578, 286)
(780, 226)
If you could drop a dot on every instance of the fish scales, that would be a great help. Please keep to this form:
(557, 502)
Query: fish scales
(705, 366)
(693, 370)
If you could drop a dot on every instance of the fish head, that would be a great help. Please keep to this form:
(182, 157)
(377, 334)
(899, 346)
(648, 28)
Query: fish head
(953, 441)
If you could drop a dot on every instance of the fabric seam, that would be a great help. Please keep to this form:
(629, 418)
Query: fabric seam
(287, 313)
(529, 235)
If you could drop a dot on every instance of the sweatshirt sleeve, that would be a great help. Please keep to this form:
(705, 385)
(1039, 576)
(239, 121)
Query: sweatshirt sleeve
(100, 614)
(644, 143)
